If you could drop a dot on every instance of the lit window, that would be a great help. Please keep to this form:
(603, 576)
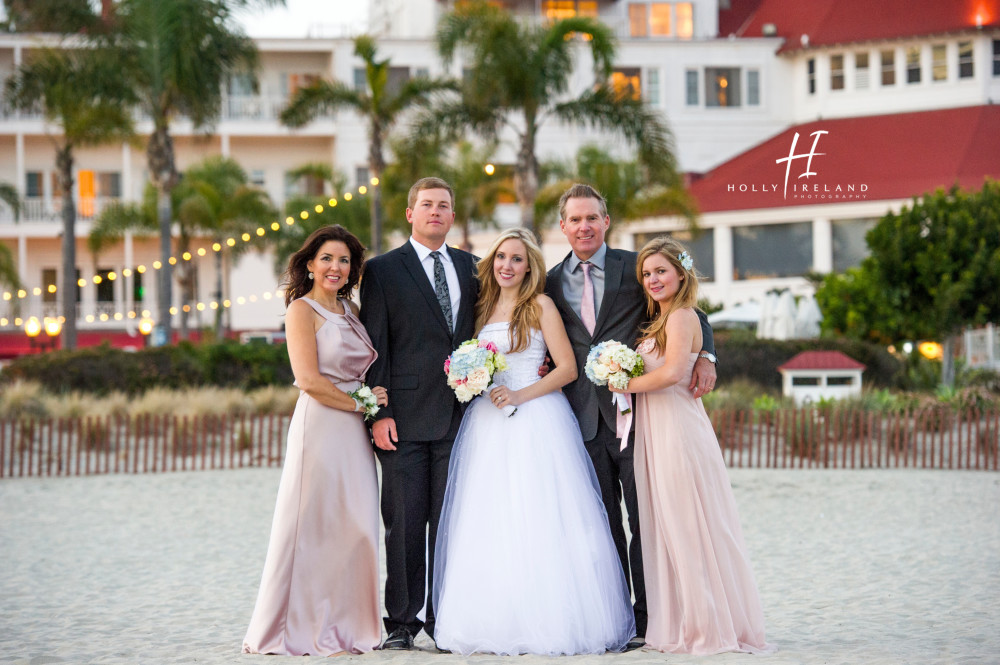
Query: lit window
(888, 59)
(555, 10)
(722, 86)
(625, 81)
(659, 19)
(939, 63)
(837, 72)
(685, 20)
(861, 74)
(965, 70)
(638, 26)
(913, 64)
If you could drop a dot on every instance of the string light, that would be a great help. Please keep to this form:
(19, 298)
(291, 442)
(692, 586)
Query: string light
(21, 294)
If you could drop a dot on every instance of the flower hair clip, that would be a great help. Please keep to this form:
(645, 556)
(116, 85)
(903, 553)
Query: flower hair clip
(686, 261)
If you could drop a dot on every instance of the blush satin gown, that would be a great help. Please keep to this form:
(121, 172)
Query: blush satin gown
(700, 589)
(319, 590)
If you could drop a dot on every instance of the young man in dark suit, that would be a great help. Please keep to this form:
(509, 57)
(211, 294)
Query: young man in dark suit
(600, 298)
(417, 304)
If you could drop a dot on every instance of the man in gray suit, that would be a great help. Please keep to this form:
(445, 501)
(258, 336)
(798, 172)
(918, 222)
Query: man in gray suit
(600, 298)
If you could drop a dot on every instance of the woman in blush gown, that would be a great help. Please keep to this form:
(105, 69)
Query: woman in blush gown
(319, 590)
(700, 589)
(525, 561)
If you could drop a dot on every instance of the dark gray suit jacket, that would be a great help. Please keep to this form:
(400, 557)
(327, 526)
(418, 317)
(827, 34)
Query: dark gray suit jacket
(623, 310)
(408, 330)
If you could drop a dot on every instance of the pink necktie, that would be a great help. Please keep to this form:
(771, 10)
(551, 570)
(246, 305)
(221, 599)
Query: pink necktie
(587, 303)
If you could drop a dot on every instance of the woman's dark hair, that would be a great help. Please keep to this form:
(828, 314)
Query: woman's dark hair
(296, 278)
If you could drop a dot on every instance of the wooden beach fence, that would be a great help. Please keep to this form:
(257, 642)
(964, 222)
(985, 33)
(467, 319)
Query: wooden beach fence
(779, 439)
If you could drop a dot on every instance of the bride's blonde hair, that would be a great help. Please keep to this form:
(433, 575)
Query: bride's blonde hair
(526, 314)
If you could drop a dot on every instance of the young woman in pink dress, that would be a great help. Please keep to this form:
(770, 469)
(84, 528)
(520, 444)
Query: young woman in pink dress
(700, 589)
(319, 590)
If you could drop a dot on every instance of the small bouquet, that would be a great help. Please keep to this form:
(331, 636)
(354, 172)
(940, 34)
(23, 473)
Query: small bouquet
(470, 369)
(365, 401)
(613, 363)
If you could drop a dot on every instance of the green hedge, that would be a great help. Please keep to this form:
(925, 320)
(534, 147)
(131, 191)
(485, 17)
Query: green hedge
(102, 369)
(743, 356)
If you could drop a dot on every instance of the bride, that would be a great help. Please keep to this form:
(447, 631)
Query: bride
(525, 561)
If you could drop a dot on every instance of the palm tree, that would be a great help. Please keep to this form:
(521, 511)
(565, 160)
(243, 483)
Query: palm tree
(83, 94)
(214, 199)
(178, 55)
(625, 184)
(380, 104)
(10, 196)
(8, 267)
(518, 79)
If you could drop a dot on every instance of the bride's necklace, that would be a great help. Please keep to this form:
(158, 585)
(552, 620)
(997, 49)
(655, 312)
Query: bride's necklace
(504, 312)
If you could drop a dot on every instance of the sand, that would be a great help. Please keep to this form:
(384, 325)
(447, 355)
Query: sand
(872, 566)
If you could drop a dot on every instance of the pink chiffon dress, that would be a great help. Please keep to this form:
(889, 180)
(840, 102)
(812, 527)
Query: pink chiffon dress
(319, 590)
(700, 589)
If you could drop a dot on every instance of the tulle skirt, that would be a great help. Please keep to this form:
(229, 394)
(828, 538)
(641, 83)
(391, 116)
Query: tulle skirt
(525, 562)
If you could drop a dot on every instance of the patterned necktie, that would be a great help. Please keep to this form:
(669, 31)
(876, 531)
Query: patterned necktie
(587, 302)
(441, 289)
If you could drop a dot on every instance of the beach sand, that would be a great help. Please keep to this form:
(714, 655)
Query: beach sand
(870, 566)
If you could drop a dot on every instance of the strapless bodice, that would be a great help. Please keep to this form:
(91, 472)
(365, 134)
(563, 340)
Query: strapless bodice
(522, 367)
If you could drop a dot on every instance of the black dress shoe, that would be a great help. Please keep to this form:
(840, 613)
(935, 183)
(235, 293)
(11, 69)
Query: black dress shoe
(398, 639)
(635, 643)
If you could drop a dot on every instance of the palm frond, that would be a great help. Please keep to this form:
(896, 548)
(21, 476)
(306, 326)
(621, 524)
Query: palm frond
(10, 196)
(322, 96)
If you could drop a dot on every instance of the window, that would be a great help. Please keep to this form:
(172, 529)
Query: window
(849, 246)
(240, 85)
(722, 86)
(625, 81)
(290, 83)
(422, 73)
(888, 59)
(49, 286)
(360, 79)
(840, 380)
(691, 83)
(109, 184)
(398, 76)
(637, 24)
(757, 249)
(939, 63)
(33, 184)
(361, 176)
(106, 289)
(965, 70)
(685, 20)
(753, 87)
(805, 380)
(913, 64)
(257, 178)
(996, 57)
(306, 184)
(661, 19)
(811, 75)
(837, 72)
(554, 10)
(652, 92)
(861, 74)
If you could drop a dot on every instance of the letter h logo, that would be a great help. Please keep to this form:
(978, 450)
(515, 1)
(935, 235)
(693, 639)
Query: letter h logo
(809, 157)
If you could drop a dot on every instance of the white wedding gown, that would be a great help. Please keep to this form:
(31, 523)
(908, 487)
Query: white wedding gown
(525, 562)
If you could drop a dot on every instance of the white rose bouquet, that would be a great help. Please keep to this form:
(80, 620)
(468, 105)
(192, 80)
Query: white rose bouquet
(365, 401)
(613, 363)
(470, 369)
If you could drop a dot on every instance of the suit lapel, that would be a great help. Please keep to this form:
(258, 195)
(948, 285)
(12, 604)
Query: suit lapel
(412, 265)
(613, 269)
(467, 282)
(569, 315)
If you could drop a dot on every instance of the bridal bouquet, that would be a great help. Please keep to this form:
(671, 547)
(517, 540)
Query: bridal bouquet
(365, 401)
(613, 363)
(470, 369)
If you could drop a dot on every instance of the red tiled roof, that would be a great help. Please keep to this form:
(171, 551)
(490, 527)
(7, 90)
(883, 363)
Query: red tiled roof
(881, 157)
(736, 16)
(822, 360)
(830, 22)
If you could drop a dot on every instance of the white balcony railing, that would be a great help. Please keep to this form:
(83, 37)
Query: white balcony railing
(37, 209)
